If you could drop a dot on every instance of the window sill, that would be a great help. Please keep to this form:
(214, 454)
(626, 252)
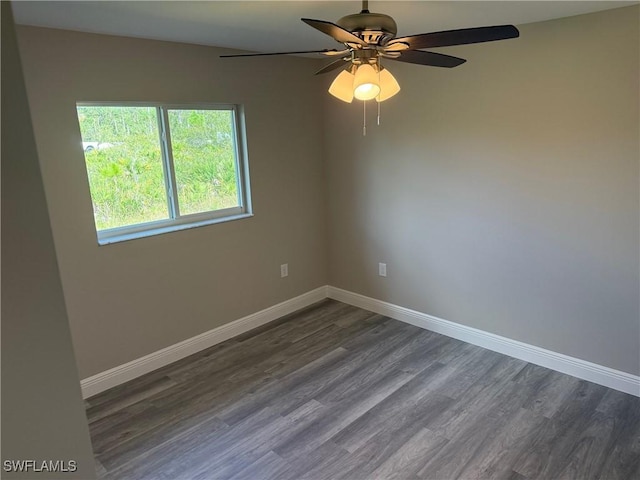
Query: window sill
(124, 237)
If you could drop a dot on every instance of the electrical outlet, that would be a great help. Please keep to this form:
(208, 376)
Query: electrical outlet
(284, 270)
(382, 269)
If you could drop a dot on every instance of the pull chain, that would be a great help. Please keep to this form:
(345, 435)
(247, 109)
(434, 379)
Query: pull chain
(364, 118)
(379, 93)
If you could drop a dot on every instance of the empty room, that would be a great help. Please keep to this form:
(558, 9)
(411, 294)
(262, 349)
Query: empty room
(321, 240)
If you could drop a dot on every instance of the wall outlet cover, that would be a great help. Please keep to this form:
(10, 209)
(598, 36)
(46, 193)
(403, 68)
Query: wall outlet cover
(382, 269)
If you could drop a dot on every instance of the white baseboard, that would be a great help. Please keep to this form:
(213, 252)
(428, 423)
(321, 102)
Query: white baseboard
(592, 372)
(123, 373)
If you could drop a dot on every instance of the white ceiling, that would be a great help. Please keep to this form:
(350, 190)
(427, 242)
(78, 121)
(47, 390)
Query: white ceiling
(271, 26)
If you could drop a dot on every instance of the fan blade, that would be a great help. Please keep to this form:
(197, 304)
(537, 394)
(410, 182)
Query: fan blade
(462, 36)
(429, 58)
(396, 47)
(335, 31)
(332, 66)
(336, 53)
(326, 51)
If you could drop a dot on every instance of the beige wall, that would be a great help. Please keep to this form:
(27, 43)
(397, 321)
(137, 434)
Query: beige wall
(42, 410)
(129, 299)
(503, 194)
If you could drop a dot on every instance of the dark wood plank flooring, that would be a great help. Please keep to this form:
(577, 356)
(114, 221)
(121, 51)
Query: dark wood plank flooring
(336, 392)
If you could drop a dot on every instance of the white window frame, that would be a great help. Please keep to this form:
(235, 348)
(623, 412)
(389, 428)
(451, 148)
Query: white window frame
(176, 221)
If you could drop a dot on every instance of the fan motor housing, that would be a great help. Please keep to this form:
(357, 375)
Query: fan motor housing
(374, 28)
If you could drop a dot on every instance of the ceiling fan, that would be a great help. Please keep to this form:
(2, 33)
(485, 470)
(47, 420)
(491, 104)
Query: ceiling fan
(368, 38)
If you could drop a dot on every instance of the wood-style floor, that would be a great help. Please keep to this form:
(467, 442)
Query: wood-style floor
(336, 392)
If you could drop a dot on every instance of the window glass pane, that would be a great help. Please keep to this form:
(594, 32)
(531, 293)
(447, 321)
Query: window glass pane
(124, 164)
(202, 142)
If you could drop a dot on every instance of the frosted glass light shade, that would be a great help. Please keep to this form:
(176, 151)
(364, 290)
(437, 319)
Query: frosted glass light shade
(388, 85)
(365, 83)
(342, 86)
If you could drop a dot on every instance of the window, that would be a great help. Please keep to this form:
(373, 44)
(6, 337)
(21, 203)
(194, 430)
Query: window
(159, 168)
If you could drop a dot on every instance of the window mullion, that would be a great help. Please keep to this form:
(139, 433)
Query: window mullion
(168, 166)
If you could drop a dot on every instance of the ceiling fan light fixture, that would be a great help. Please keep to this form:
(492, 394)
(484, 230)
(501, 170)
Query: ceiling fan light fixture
(366, 85)
(388, 85)
(342, 86)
